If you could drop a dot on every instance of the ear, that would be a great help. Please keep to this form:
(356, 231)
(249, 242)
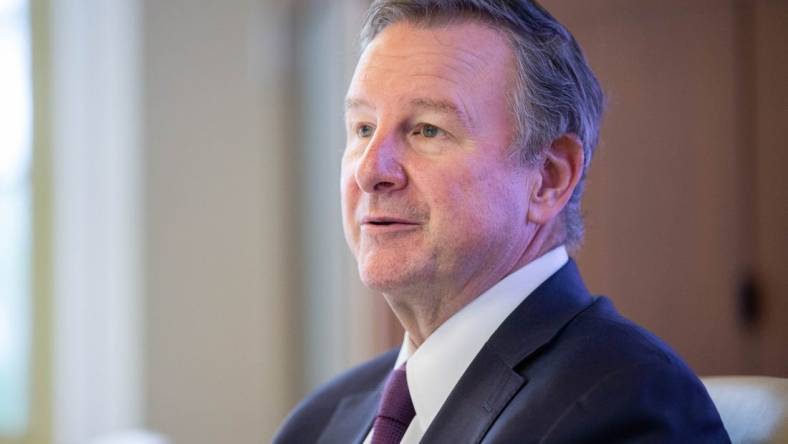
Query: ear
(557, 177)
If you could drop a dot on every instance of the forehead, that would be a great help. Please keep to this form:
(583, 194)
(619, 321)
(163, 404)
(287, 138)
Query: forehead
(405, 59)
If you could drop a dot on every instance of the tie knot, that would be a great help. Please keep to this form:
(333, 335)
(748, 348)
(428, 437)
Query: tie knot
(395, 411)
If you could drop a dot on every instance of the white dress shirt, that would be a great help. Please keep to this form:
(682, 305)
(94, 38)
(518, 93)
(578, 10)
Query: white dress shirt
(437, 365)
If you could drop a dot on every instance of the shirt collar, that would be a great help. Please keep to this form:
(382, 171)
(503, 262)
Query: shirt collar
(435, 368)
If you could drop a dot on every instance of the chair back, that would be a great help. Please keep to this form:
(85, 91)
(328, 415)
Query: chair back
(754, 409)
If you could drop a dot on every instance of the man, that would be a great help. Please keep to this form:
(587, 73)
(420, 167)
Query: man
(470, 126)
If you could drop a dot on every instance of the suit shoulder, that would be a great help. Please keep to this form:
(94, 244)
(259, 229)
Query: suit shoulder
(602, 343)
(312, 414)
(615, 374)
(604, 333)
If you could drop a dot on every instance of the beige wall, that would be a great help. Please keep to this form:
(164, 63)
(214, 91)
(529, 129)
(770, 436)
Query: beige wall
(252, 298)
(219, 350)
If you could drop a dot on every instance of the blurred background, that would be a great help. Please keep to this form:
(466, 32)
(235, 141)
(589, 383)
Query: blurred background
(172, 266)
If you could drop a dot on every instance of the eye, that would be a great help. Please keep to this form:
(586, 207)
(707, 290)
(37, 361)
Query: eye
(429, 131)
(364, 130)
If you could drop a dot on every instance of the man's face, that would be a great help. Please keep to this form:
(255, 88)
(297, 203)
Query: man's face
(431, 195)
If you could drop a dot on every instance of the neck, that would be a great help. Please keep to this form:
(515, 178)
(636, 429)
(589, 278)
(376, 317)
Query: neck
(422, 309)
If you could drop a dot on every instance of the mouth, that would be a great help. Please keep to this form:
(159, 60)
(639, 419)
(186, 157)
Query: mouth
(386, 221)
(384, 224)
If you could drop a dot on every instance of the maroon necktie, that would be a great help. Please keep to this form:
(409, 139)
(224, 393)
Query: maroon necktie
(395, 411)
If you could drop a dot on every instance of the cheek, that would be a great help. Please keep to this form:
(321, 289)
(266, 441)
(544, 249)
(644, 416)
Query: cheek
(348, 187)
(349, 199)
(482, 204)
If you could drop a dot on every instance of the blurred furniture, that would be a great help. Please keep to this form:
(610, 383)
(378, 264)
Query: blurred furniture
(754, 409)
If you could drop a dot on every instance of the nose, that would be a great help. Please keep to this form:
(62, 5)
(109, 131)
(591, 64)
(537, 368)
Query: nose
(380, 170)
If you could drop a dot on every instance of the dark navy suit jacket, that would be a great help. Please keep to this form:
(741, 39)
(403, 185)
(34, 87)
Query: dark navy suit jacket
(564, 367)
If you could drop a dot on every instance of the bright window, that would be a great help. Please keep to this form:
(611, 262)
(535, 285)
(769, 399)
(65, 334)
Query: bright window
(15, 220)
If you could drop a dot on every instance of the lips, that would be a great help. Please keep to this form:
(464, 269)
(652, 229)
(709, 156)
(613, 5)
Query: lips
(382, 221)
(387, 225)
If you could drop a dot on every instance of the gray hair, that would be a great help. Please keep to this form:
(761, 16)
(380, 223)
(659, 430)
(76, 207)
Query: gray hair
(555, 90)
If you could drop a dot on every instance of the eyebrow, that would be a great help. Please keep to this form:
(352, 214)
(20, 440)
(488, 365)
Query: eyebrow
(445, 107)
(441, 106)
(351, 103)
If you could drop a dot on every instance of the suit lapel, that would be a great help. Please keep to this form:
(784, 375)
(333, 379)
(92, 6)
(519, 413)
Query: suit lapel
(478, 398)
(490, 381)
(352, 419)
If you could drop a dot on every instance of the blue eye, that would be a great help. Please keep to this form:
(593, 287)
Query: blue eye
(429, 131)
(364, 131)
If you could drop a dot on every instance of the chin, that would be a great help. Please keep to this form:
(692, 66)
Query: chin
(390, 279)
(390, 271)
(384, 282)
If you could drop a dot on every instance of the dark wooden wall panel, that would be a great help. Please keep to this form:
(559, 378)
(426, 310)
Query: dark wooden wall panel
(670, 237)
